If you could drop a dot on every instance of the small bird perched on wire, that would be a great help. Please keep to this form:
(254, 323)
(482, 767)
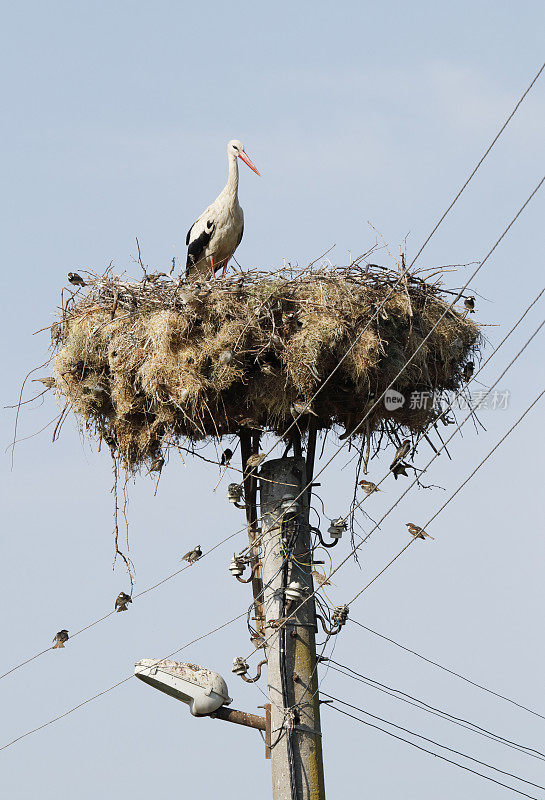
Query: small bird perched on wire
(402, 451)
(121, 601)
(255, 460)
(369, 487)
(320, 579)
(226, 457)
(469, 369)
(299, 407)
(417, 531)
(399, 469)
(75, 279)
(193, 555)
(60, 638)
(156, 465)
(469, 304)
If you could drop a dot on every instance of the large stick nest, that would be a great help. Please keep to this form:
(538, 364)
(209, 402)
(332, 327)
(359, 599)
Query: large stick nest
(150, 362)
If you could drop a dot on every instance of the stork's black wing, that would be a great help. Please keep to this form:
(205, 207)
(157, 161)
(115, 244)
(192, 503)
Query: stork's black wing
(197, 247)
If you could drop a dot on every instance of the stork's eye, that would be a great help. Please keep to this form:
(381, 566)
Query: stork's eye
(235, 147)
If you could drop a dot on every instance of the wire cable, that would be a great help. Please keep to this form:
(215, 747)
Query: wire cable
(512, 428)
(398, 694)
(432, 741)
(446, 669)
(432, 753)
(486, 152)
(112, 613)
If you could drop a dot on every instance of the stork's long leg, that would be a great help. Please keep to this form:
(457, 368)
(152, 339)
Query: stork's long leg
(224, 267)
(213, 270)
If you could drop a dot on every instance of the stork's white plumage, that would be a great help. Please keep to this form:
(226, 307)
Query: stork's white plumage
(215, 236)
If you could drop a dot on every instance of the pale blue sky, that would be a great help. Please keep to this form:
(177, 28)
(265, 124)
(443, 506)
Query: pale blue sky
(116, 116)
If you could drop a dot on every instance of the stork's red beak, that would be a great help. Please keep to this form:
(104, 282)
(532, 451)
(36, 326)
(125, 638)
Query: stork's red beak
(248, 161)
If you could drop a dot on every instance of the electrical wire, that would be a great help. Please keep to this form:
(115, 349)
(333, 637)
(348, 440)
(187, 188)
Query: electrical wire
(119, 683)
(512, 428)
(446, 669)
(112, 613)
(431, 752)
(486, 152)
(432, 741)
(398, 694)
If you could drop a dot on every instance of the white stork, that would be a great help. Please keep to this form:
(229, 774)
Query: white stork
(214, 237)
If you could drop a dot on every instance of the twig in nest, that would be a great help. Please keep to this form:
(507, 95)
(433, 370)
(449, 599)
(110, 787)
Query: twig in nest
(27, 376)
(118, 552)
(58, 426)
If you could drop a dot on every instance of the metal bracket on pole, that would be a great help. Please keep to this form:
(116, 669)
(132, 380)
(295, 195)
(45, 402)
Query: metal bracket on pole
(249, 720)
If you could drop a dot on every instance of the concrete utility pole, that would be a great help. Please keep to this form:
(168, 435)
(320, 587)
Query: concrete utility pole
(296, 744)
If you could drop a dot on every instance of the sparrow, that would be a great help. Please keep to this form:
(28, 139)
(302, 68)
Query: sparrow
(60, 638)
(121, 601)
(321, 580)
(402, 451)
(255, 460)
(399, 469)
(369, 487)
(226, 457)
(469, 303)
(469, 369)
(299, 407)
(193, 555)
(49, 383)
(156, 465)
(417, 531)
(75, 279)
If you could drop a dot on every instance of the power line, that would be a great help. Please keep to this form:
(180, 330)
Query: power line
(512, 428)
(119, 683)
(398, 694)
(446, 669)
(486, 152)
(432, 741)
(112, 613)
(430, 752)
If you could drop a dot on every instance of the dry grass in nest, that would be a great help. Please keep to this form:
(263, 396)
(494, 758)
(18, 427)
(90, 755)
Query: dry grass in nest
(154, 361)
